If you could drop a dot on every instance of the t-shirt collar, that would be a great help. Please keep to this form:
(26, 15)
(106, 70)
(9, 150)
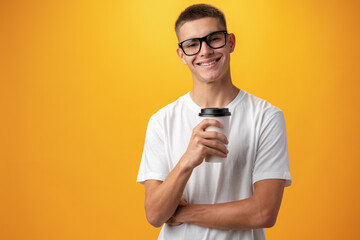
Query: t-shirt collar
(196, 108)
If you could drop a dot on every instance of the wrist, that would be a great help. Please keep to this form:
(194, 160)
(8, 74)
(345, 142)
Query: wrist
(184, 213)
(185, 165)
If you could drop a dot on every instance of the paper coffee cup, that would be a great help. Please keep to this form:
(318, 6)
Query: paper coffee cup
(223, 116)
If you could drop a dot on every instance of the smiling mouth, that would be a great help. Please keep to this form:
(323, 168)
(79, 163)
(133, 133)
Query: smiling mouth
(209, 63)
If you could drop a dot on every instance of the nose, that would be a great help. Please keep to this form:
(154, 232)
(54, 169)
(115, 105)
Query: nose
(205, 49)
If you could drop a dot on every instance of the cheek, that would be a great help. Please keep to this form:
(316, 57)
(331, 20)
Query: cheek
(190, 61)
(227, 56)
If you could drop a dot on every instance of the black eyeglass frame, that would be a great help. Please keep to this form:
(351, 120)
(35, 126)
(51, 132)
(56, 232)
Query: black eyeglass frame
(203, 39)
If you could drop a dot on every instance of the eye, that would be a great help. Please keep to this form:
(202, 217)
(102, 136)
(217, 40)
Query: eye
(191, 44)
(214, 39)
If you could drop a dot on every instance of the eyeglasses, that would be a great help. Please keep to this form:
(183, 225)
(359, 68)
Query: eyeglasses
(214, 40)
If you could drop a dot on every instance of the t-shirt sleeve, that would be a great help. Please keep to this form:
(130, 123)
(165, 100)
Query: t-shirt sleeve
(272, 160)
(154, 163)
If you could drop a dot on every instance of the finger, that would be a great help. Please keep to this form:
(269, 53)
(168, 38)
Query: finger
(216, 152)
(208, 122)
(183, 201)
(214, 135)
(215, 145)
(173, 223)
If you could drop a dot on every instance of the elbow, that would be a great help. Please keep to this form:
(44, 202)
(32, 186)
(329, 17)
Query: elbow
(154, 220)
(269, 222)
(152, 215)
(267, 219)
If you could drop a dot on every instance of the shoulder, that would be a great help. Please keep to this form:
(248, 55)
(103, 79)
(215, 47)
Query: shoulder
(259, 107)
(168, 110)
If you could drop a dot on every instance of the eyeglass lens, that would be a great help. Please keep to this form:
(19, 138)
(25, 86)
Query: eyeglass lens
(214, 40)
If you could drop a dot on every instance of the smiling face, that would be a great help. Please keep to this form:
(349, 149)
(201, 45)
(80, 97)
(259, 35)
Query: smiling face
(208, 65)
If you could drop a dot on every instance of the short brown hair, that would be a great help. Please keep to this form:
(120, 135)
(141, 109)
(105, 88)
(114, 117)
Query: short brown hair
(198, 11)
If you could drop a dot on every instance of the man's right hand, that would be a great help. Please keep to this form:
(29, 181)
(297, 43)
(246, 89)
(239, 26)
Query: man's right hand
(182, 203)
(162, 198)
(204, 143)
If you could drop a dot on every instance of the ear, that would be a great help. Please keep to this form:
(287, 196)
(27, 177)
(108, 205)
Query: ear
(232, 42)
(181, 55)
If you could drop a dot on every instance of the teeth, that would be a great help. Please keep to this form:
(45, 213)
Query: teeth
(207, 64)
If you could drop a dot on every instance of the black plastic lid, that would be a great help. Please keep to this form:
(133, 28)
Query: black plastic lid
(214, 112)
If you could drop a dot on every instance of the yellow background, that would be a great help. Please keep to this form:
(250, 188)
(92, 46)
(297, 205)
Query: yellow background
(80, 79)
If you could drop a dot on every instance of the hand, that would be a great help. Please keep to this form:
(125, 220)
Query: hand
(204, 143)
(172, 221)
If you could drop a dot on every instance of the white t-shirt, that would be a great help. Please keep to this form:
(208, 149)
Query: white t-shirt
(257, 150)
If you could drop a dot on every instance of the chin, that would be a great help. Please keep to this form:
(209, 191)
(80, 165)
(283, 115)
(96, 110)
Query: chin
(210, 79)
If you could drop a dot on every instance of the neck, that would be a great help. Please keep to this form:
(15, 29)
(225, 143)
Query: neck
(214, 94)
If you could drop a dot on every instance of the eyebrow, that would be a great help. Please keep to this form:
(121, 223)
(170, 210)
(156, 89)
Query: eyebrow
(202, 36)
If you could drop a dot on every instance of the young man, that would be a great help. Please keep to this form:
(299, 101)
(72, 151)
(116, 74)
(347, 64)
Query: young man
(236, 199)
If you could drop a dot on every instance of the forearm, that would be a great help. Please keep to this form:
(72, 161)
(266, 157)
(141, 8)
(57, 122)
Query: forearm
(258, 211)
(233, 215)
(162, 200)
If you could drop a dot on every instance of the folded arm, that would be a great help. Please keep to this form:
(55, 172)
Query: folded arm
(258, 211)
(162, 198)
